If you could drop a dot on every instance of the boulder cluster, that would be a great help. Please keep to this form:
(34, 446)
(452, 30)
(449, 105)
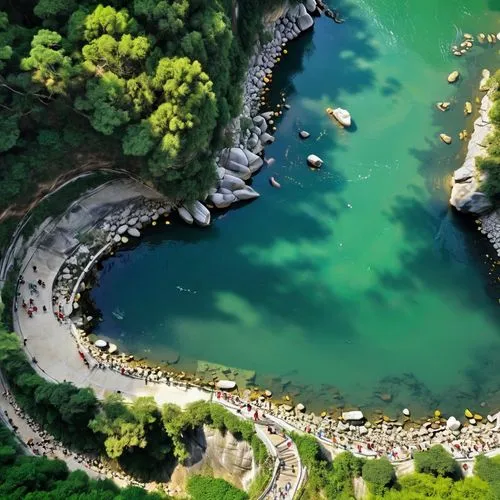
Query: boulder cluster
(234, 167)
(132, 219)
(290, 25)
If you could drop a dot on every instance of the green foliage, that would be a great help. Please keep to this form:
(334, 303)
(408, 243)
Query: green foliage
(379, 474)
(147, 84)
(260, 482)
(421, 486)
(209, 488)
(47, 61)
(330, 480)
(488, 469)
(490, 164)
(63, 409)
(33, 478)
(436, 461)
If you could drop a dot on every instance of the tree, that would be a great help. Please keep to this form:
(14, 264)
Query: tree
(379, 474)
(436, 461)
(125, 427)
(184, 122)
(9, 133)
(51, 8)
(50, 66)
(106, 100)
(106, 20)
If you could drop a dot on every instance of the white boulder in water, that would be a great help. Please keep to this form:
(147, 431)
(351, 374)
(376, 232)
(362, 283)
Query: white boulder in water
(354, 415)
(314, 161)
(343, 116)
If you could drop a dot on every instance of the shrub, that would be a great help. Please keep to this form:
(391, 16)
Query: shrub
(379, 474)
(209, 488)
(488, 469)
(436, 461)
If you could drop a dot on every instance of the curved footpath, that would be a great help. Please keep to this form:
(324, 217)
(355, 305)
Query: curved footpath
(56, 352)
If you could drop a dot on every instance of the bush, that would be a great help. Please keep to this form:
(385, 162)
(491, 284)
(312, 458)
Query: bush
(488, 469)
(379, 474)
(436, 461)
(422, 486)
(209, 488)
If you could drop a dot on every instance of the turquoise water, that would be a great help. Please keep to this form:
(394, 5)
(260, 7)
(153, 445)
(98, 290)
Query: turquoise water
(356, 279)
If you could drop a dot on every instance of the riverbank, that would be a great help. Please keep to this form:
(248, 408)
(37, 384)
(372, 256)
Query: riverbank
(466, 195)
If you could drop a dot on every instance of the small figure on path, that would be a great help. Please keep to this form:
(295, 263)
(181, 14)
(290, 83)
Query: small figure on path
(34, 269)
(25, 341)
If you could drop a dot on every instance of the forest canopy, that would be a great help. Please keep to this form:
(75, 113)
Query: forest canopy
(146, 84)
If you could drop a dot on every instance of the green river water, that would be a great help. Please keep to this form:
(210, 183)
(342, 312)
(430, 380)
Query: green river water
(350, 281)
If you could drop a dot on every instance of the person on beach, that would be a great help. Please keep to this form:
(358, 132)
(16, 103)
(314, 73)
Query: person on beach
(34, 269)
(44, 308)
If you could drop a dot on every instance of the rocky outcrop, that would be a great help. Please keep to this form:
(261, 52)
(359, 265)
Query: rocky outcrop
(223, 454)
(466, 195)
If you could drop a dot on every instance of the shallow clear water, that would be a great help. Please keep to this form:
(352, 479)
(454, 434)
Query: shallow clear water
(355, 279)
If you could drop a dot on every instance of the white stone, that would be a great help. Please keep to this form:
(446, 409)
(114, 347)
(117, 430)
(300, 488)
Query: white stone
(247, 193)
(304, 134)
(315, 161)
(343, 116)
(134, 232)
(199, 212)
(453, 424)
(406, 412)
(352, 415)
(133, 221)
(185, 215)
(122, 229)
(231, 182)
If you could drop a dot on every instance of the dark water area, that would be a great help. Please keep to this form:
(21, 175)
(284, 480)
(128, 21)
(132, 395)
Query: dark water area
(355, 280)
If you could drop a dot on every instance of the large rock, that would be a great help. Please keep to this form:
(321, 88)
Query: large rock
(238, 155)
(469, 202)
(231, 182)
(199, 212)
(483, 85)
(266, 138)
(238, 168)
(185, 215)
(247, 193)
(314, 161)
(122, 229)
(453, 424)
(305, 22)
(218, 199)
(353, 416)
(254, 161)
(453, 76)
(311, 6)
(343, 116)
(134, 232)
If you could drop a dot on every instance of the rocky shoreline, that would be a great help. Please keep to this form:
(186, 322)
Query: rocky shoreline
(466, 195)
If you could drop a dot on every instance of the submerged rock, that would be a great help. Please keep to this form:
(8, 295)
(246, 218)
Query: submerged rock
(453, 76)
(445, 138)
(304, 135)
